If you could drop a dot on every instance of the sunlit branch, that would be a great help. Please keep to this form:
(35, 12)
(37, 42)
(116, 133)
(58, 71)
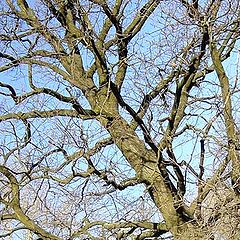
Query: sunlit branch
(72, 158)
(140, 122)
(98, 146)
(33, 21)
(15, 204)
(48, 114)
(29, 16)
(107, 177)
(138, 22)
(8, 57)
(83, 153)
(58, 13)
(8, 216)
(27, 60)
(157, 227)
(15, 36)
(67, 179)
(47, 91)
(227, 111)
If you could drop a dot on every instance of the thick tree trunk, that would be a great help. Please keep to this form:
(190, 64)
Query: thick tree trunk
(145, 163)
(221, 223)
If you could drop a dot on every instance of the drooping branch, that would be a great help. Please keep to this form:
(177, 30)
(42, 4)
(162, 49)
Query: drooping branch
(15, 204)
(11, 89)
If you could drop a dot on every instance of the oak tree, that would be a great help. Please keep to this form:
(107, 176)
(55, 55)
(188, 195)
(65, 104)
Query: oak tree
(120, 119)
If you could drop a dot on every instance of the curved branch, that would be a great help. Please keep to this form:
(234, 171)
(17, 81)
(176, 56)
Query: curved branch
(13, 93)
(15, 204)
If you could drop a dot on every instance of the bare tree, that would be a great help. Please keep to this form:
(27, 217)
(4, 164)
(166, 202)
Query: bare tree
(120, 119)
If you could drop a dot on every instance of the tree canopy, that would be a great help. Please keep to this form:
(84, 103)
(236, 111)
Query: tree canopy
(120, 119)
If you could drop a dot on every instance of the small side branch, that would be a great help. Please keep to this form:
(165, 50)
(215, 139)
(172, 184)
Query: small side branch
(201, 163)
(180, 178)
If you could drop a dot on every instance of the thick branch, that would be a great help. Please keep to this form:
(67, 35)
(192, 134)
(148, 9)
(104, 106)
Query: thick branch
(227, 108)
(144, 13)
(157, 227)
(47, 114)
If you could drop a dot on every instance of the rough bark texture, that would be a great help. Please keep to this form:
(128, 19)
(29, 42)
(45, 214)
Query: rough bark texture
(100, 97)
